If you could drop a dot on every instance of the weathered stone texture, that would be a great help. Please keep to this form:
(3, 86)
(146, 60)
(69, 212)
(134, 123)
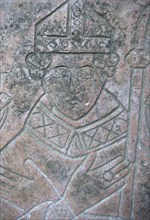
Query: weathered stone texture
(75, 110)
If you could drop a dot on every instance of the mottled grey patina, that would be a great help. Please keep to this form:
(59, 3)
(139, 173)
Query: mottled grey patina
(75, 110)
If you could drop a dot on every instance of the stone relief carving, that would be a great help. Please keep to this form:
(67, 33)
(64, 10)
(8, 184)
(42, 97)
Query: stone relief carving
(147, 111)
(78, 147)
(4, 103)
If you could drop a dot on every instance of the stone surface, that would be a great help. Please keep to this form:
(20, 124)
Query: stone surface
(75, 110)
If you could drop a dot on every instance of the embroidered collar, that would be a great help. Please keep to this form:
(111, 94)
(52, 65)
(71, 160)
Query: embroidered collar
(68, 136)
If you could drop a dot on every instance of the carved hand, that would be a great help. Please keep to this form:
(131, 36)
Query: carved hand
(25, 190)
(89, 186)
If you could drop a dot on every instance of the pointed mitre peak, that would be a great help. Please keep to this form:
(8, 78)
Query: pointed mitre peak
(54, 24)
(74, 16)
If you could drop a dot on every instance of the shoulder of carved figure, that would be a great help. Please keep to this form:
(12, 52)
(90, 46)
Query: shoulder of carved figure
(37, 109)
(13, 152)
(114, 99)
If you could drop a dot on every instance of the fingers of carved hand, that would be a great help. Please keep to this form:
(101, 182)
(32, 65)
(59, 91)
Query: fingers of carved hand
(89, 188)
(111, 172)
(112, 188)
(12, 181)
(99, 170)
(6, 185)
(117, 173)
(4, 99)
(27, 186)
(87, 163)
(8, 174)
(7, 179)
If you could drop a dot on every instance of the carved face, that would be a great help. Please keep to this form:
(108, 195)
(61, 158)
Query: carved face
(73, 84)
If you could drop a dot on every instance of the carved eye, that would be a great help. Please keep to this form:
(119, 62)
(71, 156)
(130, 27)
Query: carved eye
(86, 72)
(59, 72)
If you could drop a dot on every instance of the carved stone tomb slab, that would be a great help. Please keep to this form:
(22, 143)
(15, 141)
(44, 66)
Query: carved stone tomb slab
(75, 110)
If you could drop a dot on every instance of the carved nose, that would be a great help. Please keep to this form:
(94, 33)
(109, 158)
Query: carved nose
(74, 84)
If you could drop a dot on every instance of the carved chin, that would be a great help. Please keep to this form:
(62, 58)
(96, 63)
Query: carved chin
(75, 111)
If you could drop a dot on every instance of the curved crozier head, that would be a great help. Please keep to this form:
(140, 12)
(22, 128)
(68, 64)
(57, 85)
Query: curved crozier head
(138, 56)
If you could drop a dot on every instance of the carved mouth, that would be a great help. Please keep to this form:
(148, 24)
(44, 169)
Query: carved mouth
(74, 100)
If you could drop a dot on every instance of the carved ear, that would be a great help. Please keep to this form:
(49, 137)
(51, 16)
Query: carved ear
(37, 64)
(111, 64)
(112, 60)
(107, 62)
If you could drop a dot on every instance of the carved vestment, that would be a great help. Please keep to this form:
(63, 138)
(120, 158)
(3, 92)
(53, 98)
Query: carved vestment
(52, 147)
